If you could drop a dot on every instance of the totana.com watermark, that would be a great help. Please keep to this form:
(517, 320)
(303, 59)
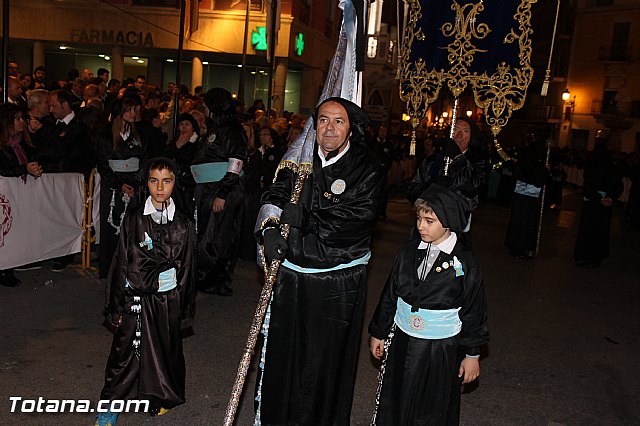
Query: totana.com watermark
(41, 405)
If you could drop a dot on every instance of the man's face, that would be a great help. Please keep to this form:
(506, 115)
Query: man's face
(104, 77)
(462, 134)
(56, 108)
(140, 82)
(185, 127)
(78, 87)
(87, 74)
(333, 127)
(382, 133)
(39, 75)
(13, 69)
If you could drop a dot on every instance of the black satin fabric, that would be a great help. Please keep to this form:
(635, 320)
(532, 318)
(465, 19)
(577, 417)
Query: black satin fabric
(110, 180)
(159, 373)
(219, 233)
(337, 227)
(522, 231)
(312, 347)
(184, 189)
(440, 290)
(421, 384)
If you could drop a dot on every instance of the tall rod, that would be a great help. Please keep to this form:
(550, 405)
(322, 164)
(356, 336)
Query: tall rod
(272, 52)
(241, 81)
(5, 50)
(176, 97)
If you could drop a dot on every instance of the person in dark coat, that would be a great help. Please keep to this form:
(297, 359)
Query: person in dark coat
(216, 169)
(120, 159)
(317, 310)
(467, 171)
(531, 175)
(182, 150)
(434, 314)
(150, 297)
(602, 187)
(16, 160)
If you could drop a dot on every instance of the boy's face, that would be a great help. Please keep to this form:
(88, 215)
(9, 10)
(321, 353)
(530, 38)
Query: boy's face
(430, 228)
(160, 185)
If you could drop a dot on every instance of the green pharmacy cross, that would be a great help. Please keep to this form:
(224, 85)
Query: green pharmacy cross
(299, 44)
(259, 38)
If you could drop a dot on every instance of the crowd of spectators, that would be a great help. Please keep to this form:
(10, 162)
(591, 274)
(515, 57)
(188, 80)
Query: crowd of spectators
(88, 121)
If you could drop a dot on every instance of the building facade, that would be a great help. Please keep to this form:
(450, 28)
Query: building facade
(603, 80)
(131, 37)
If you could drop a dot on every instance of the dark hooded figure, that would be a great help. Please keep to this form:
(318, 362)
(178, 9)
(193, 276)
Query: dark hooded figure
(216, 168)
(602, 187)
(466, 172)
(312, 338)
(432, 317)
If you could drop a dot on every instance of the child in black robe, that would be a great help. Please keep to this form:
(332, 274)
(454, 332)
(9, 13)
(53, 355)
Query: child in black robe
(150, 297)
(432, 314)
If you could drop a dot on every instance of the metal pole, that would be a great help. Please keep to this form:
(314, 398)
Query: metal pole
(176, 97)
(544, 190)
(241, 81)
(272, 54)
(258, 318)
(5, 50)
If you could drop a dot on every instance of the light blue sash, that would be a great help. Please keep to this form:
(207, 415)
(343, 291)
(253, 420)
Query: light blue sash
(210, 172)
(526, 189)
(360, 261)
(167, 280)
(427, 323)
(129, 165)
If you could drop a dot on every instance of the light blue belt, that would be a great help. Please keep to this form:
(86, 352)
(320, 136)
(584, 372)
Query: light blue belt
(129, 165)
(427, 323)
(359, 261)
(526, 189)
(210, 172)
(166, 280)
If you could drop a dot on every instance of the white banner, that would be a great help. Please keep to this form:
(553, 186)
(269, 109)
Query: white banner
(40, 219)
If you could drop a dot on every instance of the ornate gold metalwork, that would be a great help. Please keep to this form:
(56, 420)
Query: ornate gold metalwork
(498, 94)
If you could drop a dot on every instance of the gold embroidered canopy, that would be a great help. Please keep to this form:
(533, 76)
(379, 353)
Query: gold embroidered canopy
(462, 44)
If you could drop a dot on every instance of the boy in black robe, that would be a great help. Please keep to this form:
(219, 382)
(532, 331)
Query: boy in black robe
(433, 313)
(150, 297)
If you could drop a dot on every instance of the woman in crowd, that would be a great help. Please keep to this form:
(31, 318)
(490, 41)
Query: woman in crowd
(270, 155)
(16, 150)
(119, 160)
(182, 150)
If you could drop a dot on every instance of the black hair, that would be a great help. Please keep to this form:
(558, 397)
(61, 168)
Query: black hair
(161, 163)
(185, 116)
(102, 71)
(358, 119)
(62, 96)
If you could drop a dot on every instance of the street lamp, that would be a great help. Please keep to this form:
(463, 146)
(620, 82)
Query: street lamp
(569, 106)
(566, 95)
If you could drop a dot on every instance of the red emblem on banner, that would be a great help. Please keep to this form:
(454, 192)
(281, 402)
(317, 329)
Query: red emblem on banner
(5, 218)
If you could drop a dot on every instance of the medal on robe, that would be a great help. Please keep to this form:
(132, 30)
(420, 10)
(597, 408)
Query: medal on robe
(445, 265)
(338, 186)
(438, 269)
(211, 138)
(457, 266)
(148, 242)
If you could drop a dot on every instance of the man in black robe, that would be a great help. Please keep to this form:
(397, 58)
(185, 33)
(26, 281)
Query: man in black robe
(317, 309)
(217, 164)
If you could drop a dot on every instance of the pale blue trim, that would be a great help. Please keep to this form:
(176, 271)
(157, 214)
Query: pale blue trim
(526, 189)
(167, 280)
(263, 354)
(129, 165)
(427, 323)
(360, 261)
(209, 172)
